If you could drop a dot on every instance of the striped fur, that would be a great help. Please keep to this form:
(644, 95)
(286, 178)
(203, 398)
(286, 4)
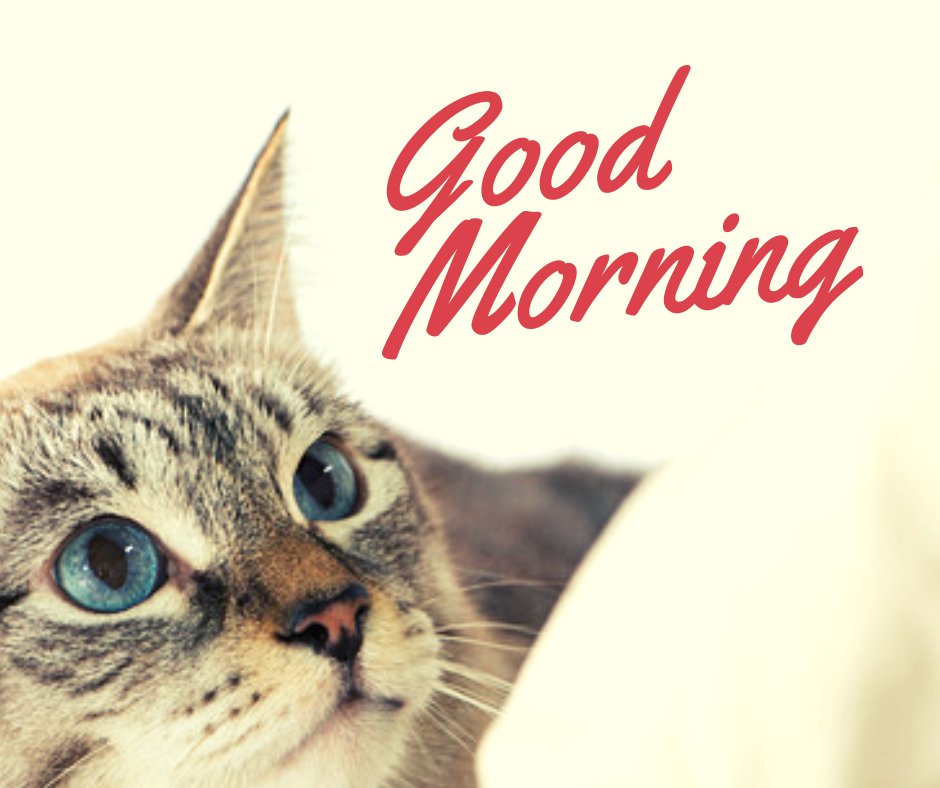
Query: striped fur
(193, 426)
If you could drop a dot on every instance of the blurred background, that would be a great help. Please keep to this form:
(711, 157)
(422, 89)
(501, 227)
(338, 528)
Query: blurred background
(127, 128)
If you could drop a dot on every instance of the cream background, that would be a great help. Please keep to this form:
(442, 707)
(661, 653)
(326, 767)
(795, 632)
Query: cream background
(125, 130)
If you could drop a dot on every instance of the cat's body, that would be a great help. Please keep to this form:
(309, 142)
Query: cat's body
(171, 613)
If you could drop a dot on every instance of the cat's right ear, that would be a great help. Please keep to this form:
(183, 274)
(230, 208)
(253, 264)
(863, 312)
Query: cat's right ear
(240, 275)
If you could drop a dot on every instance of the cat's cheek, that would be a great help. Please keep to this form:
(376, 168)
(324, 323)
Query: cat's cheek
(400, 660)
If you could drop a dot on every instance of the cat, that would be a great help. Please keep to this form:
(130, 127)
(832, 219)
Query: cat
(216, 570)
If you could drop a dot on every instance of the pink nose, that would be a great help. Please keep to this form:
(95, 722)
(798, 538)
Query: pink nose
(332, 627)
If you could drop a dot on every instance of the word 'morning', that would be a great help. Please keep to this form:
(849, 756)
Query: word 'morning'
(559, 278)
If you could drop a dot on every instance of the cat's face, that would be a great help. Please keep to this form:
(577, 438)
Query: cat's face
(214, 570)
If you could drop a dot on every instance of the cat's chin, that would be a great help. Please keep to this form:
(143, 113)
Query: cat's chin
(358, 745)
(349, 712)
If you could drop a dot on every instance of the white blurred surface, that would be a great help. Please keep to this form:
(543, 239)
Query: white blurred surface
(763, 613)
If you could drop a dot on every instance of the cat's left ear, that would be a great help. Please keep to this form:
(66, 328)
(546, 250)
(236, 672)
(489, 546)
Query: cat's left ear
(240, 275)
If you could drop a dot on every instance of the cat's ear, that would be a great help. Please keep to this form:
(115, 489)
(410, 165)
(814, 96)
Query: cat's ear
(240, 275)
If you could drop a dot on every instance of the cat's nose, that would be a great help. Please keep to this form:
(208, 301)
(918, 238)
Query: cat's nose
(331, 627)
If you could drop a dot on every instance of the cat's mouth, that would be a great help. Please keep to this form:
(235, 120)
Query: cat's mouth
(351, 694)
(354, 695)
(351, 702)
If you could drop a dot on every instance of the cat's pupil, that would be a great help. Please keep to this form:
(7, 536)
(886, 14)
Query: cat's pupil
(317, 478)
(325, 485)
(107, 561)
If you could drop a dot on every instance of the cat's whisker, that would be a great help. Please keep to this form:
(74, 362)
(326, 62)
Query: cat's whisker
(450, 728)
(445, 629)
(60, 778)
(206, 736)
(462, 696)
(512, 583)
(482, 687)
(507, 582)
(482, 677)
(485, 644)
(453, 723)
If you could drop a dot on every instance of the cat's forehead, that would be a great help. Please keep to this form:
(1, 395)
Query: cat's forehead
(231, 368)
(210, 428)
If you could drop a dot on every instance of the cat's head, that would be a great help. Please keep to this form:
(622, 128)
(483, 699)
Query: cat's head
(214, 569)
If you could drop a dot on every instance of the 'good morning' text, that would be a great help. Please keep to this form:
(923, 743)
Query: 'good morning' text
(815, 268)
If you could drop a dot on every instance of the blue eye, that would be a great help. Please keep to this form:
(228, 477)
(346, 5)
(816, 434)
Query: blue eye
(325, 484)
(110, 566)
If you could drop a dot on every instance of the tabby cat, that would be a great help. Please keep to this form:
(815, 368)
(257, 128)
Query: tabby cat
(215, 570)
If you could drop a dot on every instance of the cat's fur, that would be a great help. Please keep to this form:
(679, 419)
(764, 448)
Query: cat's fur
(193, 426)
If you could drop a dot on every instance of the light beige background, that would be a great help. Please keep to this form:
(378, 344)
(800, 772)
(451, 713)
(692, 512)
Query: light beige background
(126, 128)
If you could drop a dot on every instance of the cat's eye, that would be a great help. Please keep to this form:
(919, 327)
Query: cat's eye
(110, 566)
(325, 484)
